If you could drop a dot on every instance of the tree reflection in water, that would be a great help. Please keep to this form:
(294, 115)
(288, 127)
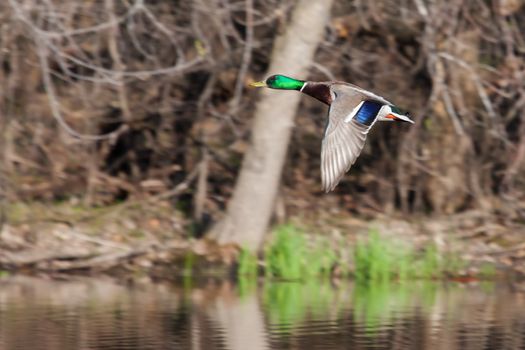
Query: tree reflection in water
(89, 313)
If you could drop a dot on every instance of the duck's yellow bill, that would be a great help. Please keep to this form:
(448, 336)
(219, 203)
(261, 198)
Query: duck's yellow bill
(258, 84)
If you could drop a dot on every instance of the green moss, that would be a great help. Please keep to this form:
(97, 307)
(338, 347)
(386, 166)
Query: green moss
(428, 124)
(487, 271)
(137, 233)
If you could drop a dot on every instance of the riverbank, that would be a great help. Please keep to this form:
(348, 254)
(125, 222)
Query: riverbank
(152, 239)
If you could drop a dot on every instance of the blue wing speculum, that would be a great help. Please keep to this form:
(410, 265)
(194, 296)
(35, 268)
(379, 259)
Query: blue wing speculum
(368, 112)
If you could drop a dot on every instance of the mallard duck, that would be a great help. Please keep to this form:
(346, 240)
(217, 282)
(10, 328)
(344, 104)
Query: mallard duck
(352, 113)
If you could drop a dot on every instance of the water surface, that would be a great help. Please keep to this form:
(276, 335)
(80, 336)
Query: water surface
(104, 314)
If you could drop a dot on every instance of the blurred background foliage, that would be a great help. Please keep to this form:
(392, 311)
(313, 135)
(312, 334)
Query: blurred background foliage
(164, 84)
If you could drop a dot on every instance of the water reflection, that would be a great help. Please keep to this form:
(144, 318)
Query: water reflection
(102, 314)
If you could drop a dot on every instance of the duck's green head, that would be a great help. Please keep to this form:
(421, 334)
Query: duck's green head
(280, 82)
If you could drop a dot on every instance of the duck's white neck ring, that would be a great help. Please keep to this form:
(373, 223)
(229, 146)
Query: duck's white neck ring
(302, 87)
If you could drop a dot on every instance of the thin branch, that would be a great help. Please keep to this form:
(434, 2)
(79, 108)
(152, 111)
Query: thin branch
(55, 105)
(246, 58)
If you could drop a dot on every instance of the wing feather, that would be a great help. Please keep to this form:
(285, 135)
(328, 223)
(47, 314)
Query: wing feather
(344, 136)
(341, 146)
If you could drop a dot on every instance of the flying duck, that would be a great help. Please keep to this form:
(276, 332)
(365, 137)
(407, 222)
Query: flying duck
(352, 113)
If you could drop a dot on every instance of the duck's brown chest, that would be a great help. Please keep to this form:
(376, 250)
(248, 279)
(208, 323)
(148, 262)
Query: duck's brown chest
(320, 91)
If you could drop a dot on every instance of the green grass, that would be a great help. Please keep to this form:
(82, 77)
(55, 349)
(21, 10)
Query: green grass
(293, 255)
(487, 271)
(247, 264)
(379, 259)
(375, 260)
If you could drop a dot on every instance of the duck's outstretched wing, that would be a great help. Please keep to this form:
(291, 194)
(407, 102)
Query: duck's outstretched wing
(345, 135)
(342, 144)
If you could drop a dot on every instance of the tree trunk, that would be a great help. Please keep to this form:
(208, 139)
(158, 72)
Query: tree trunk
(251, 206)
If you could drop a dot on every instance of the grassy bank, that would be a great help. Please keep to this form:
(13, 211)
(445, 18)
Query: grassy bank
(295, 255)
(139, 239)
